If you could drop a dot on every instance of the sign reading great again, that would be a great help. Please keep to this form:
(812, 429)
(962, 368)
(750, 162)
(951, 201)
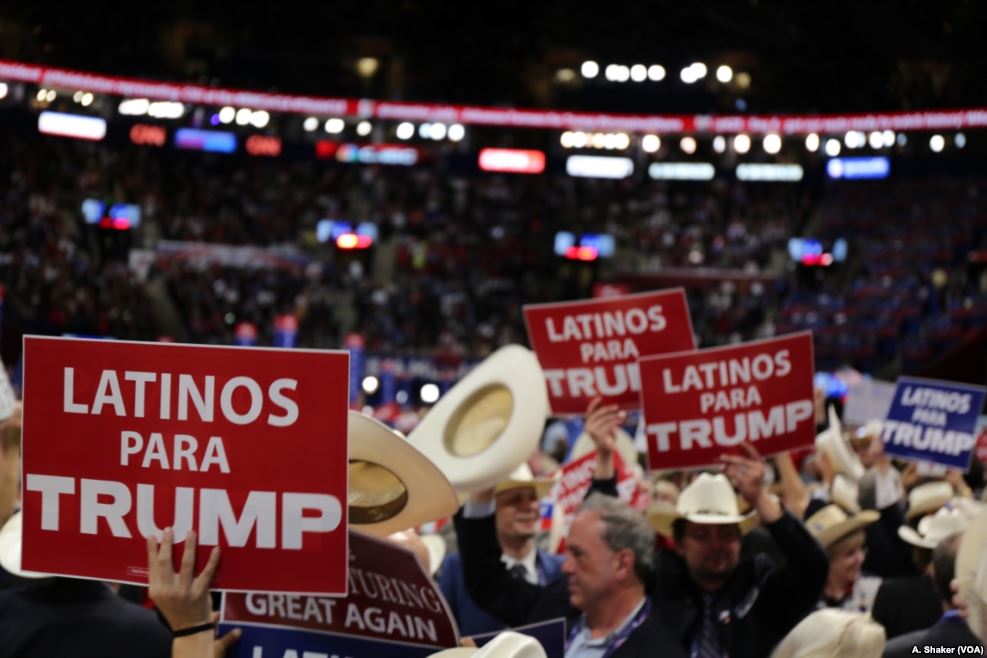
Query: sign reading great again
(246, 446)
(590, 348)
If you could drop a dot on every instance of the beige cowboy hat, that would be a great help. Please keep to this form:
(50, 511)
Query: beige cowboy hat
(392, 486)
(831, 443)
(933, 528)
(971, 572)
(488, 423)
(710, 499)
(845, 493)
(830, 524)
(927, 498)
(625, 447)
(522, 478)
(508, 644)
(10, 548)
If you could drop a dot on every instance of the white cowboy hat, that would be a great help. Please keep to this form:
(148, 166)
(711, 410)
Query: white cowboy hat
(522, 478)
(933, 528)
(625, 446)
(488, 423)
(971, 572)
(710, 499)
(508, 644)
(845, 493)
(831, 443)
(392, 486)
(927, 498)
(10, 548)
(830, 524)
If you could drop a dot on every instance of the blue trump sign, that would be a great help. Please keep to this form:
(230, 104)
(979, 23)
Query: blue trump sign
(280, 642)
(933, 421)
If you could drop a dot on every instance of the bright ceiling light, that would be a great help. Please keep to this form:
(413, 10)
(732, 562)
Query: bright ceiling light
(364, 128)
(405, 130)
(812, 142)
(335, 125)
(656, 72)
(456, 132)
(639, 73)
(260, 119)
(833, 147)
(650, 143)
(724, 73)
(771, 143)
(688, 145)
(937, 143)
(309, 124)
(719, 144)
(589, 69)
(742, 143)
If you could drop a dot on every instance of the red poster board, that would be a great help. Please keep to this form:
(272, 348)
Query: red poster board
(391, 599)
(591, 347)
(700, 405)
(247, 446)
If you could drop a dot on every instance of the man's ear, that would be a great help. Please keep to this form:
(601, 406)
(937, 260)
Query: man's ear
(625, 564)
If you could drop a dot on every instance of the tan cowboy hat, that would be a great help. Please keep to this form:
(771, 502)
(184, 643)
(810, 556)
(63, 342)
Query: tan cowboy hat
(933, 528)
(508, 644)
(830, 524)
(10, 548)
(392, 486)
(831, 443)
(710, 499)
(927, 498)
(522, 478)
(971, 572)
(488, 423)
(625, 447)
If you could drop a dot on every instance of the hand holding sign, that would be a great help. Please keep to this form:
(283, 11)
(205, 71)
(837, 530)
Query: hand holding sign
(601, 424)
(747, 476)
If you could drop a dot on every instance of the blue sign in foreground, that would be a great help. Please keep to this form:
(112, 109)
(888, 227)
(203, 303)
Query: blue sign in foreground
(933, 421)
(272, 642)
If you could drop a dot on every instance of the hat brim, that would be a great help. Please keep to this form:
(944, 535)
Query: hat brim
(663, 518)
(911, 536)
(513, 369)
(834, 533)
(541, 486)
(929, 506)
(10, 548)
(430, 496)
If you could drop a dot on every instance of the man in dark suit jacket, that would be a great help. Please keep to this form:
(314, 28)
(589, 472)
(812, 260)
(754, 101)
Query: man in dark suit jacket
(951, 631)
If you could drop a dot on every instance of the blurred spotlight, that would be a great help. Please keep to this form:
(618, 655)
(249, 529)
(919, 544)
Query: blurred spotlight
(227, 114)
(833, 147)
(598, 140)
(888, 136)
(875, 140)
(854, 139)
(902, 139)
(959, 140)
(429, 393)
(639, 73)
(370, 384)
(610, 73)
(87, 99)
(335, 125)
(687, 75)
(743, 80)
(457, 132)
(580, 139)
(937, 143)
(425, 130)
(567, 140)
(565, 76)
(367, 66)
(405, 130)
(623, 141)
(134, 107)
(401, 397)
(771, 143)
(589, 69)
(310, 124)
(242, 116)
(656, 72)
(260, 119)
(623, 73)
(3, 90)
(698, 70)
(741, 143)
(609, 141)
(724, 73)
(688, 145)
(719, 144)
(650, 143)
(438, 131)
(364, 128)
(812, 142)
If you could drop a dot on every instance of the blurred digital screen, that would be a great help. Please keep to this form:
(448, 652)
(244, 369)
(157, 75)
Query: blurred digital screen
(585, 246)
(831, 384)
(118, 216)
(813, 252)
(263, 145)
(331, 230)
(681, 171)
(62, 124)
(769, 172)
(212, 141)
(518, 161)
(859, 168)
(599, 166)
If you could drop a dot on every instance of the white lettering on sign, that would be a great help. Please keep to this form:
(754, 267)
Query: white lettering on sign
(113, 503)
(723, 374)
(183, 452)
(189, 394)
(934, 439)
(746, 426)
(606, 324)
(590, 382)
(938, 399)
(390, 622)
(297, 607)
(611, 350)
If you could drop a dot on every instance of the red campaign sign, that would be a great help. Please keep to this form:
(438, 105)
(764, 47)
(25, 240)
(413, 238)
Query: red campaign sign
(391, 598)
(570, 489)
(591, 347)
(981, 449)
(247, 446)
(700, 405)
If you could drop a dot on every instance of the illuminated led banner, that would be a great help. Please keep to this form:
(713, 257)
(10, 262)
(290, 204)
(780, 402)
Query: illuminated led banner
(590, 347)
(599, 166)
(856, 168)
(783, 173)
(518, 161)
(61, 124)
(247, 446)
(700, 405)
(681, 171)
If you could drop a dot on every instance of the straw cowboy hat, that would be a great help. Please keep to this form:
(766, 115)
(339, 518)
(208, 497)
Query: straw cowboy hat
(831, 443)
(625, 447)
(830, 524)
(522, 478)
(710, 499)
(505, 645)
(971, 572)
(933, 528)
(10, 548)
(927, 498)
(488, 423)
(392, 486)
